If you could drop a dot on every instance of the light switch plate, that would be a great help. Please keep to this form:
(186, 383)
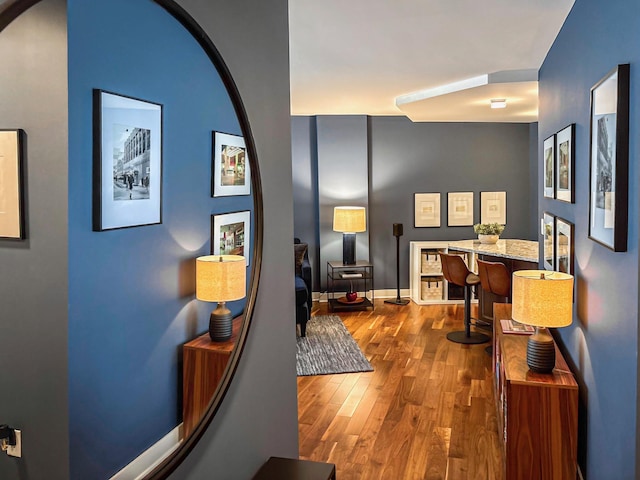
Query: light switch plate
(16, 450)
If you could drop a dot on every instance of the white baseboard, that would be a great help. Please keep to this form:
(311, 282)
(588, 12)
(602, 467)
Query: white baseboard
(384, 293)
(151, 457)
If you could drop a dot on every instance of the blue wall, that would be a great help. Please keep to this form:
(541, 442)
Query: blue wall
(603, 340)
(131, 302)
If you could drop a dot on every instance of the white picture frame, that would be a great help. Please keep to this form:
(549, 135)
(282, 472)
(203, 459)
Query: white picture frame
(426, 210)
(460, 209)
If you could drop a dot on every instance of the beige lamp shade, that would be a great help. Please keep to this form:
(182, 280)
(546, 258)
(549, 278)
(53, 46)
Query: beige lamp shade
(349, 219)
(542, 302)
(221, 278)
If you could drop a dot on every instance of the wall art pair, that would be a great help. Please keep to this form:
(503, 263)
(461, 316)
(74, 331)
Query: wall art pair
(558, 243)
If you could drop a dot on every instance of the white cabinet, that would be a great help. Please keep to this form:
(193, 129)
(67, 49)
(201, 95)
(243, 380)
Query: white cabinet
(426, 282)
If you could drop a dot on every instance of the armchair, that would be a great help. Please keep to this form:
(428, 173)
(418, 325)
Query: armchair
(302, 285)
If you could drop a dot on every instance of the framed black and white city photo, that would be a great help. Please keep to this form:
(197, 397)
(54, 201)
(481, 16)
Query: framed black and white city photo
(548, 241)
(564, 246)
(127, 161)
(11, 184)
(230, 166)
(549, 161)
(231, 234)
(565, 149)
(609, 160)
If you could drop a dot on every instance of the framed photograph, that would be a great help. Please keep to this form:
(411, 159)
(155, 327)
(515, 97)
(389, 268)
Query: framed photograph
(549, 161)
(12, 223)
(427, 210)
(230, 166)
(565, 148)
(493, 207)
(609, 160)
(564, 246)
(127, 161)
(231, 234)
(548, 239)
(460, 209)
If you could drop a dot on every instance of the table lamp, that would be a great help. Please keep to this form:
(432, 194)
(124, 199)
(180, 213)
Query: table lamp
(349, 221)
(543, 299)
(221, 278)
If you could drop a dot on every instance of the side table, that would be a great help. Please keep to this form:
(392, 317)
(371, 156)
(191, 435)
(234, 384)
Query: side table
(342, 277)
(203, 364)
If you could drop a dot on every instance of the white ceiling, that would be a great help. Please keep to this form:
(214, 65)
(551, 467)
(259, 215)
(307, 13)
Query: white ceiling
(359, 56)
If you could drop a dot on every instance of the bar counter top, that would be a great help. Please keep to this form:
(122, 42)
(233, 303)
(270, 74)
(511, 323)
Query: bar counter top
(526, 250)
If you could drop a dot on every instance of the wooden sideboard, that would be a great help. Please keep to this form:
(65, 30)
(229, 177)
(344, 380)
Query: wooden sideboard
(537, 413)
(203, 364)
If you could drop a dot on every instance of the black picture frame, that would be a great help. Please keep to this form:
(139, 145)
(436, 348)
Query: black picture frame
(548, 240)
(548, 166)
(127, 153)
(237, 243)
(564, 246)
(565, 164)
(230, 169)
(609, 160)
(12, 189)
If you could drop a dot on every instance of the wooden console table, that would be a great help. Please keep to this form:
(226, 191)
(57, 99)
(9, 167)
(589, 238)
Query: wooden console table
(537, 413)
(203, 364)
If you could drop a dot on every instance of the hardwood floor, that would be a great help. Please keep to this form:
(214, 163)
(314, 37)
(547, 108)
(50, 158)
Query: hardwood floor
(425, 412)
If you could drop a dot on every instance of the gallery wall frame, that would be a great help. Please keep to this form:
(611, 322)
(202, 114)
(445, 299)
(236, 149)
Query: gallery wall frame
(549, 162)
(565, 164)
(493, 207)
(609, 160)
(12, 194)
(460, 209)
(548, 241)
(127, 161)
(426, 210)
(231, 234)
(231, 174)
(564, 246)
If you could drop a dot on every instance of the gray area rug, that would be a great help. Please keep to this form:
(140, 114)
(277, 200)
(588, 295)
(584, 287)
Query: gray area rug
(329, 348)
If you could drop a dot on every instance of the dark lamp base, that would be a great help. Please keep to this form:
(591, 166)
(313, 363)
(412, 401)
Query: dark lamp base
(397, 301)
(220, 324)
(348, 248)
(473, 338)
(541, 351)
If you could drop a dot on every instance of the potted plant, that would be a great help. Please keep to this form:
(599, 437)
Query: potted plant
(488, 232)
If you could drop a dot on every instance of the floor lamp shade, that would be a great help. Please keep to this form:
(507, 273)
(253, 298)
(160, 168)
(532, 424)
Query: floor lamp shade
(544, 300)
(349, 221)
(221, 278)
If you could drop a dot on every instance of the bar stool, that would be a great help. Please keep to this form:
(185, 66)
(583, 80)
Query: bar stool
(495, 279)
(455, 271)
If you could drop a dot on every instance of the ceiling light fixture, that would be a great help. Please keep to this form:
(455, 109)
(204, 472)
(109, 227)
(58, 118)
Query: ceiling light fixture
(498, 103)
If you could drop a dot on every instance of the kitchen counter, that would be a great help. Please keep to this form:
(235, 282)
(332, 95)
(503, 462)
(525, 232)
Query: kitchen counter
(514, 249)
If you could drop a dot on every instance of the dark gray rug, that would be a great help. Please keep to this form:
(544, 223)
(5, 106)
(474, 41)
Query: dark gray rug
(329, 348)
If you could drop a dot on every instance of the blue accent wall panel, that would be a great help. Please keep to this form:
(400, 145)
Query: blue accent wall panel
(131, 291)
(602, 342)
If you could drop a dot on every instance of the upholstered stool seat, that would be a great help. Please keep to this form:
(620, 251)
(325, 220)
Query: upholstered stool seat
(455, 271)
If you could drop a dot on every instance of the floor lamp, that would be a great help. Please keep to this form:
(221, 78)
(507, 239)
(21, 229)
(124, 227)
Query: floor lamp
(397, 232)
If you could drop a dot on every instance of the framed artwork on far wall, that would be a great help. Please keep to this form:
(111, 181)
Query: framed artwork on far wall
(460, 209)
(127, 161)
(230, 166)
(565, 151)
(12, 224)
(231, 234)
(609, 160)
(564, 246)
(548, 241)
(493, 207)
(549, 161)
(426, 210)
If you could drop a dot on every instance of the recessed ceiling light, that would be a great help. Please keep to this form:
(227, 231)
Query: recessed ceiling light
(498, 103)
